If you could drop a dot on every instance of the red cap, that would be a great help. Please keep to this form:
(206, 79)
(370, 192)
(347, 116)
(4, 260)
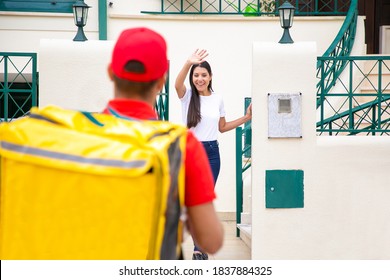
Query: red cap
(143, 45)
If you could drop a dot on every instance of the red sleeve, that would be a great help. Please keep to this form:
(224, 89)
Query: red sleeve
(199, 183)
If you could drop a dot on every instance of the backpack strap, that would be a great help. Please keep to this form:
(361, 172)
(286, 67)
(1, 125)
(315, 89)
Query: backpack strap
(115, 113)
(89, 116)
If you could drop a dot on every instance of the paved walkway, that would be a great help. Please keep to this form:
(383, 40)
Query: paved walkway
(233, 249)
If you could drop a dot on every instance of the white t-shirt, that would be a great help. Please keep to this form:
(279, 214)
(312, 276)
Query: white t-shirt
(211, 110)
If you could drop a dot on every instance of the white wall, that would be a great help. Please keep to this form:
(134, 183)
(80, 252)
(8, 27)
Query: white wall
(346, 210)
(384, 39)
(74, 74)
(75, 79)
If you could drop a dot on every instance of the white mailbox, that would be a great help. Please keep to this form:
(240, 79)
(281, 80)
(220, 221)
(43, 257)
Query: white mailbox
(285, 115)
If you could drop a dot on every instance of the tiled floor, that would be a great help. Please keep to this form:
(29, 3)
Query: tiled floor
(233, 249)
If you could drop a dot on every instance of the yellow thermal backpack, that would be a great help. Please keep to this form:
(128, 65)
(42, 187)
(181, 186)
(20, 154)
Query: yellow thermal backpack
(83, 186)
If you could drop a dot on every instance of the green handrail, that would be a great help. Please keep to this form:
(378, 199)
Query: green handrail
(239, 180)
(328, 71)
(243, 150)
(241, 167)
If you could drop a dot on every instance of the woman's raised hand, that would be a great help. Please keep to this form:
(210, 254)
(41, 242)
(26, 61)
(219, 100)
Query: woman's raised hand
(198, 56)
(249, 111)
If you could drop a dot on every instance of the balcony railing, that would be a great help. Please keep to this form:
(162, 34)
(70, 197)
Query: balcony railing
(251, 7)
(361, 102)
(18, 84)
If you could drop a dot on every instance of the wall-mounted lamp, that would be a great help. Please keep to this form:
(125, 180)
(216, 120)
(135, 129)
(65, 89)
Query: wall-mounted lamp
(286, 15)
(80, 14)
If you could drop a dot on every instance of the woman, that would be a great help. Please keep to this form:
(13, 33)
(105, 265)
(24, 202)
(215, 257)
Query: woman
(204, 113)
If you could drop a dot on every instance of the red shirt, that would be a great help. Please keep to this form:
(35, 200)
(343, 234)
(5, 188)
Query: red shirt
(199, 184)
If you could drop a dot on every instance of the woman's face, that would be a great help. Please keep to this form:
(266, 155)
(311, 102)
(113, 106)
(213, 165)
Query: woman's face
(201, 79)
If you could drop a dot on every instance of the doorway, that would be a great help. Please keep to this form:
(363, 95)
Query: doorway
(377, 14)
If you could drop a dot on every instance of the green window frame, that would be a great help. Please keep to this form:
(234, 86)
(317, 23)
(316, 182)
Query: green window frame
(50, 6)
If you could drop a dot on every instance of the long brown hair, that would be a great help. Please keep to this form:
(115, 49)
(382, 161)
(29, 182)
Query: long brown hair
(194, 116)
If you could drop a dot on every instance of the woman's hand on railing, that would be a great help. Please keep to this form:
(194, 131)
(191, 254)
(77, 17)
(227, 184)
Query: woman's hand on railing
(248, 113)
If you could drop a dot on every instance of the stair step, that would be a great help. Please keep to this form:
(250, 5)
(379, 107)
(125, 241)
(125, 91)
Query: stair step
(373, 90)
(373, 81)
(372, 64)
(375, 70)
(360, 100)
(246, 233)
(246, 218)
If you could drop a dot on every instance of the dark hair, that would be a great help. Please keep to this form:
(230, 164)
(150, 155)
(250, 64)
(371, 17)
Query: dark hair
(194, 117)
(131, 86)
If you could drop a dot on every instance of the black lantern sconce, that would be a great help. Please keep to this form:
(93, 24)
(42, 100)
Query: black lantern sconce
(286, 15)
(80, 14)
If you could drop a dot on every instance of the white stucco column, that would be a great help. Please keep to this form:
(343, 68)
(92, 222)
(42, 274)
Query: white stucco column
(281, 69)
(73, 75)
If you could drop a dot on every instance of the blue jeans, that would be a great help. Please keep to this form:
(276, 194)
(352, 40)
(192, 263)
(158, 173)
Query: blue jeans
(212, 151)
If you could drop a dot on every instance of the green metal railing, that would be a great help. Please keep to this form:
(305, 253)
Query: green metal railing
(344, 112)
(243, 160)
(18, 84)
(162, 102)
(243, 163)
(361, 103)
(328, 71)
(251, 7)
